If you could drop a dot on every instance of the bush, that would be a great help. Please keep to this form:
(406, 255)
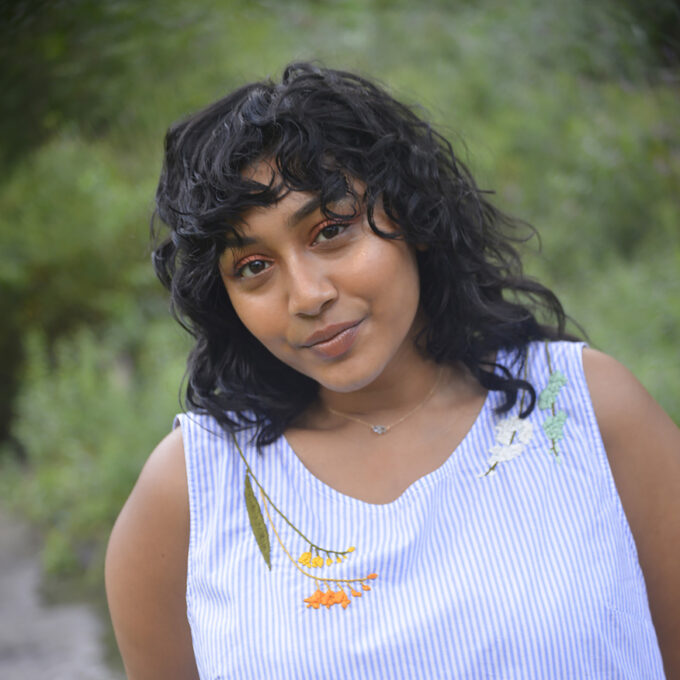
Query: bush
(88, 414)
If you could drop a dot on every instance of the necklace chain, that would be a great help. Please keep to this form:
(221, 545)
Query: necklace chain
(384, 429)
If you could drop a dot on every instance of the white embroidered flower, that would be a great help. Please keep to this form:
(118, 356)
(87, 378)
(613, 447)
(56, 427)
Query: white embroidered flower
(503, 452)
(521, 428)
(512, 435)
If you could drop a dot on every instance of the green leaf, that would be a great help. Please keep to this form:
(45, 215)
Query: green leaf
(553, 425)
(257, 522)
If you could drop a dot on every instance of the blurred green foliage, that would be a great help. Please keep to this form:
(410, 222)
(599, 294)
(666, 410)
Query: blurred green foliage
(87, 413)
(568, 109)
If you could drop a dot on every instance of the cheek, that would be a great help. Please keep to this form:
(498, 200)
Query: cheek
(257, 317)
(393, 278)
(256, 314)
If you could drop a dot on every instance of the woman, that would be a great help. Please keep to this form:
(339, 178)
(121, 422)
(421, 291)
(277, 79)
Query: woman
(391, 467)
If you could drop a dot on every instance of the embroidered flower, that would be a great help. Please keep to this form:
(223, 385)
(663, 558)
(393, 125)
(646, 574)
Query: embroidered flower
(327, 598)
(500, 453)
(512, 435)
(513, 429)
(310, 560)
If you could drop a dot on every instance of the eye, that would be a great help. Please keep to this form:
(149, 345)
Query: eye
(330, 231)
(251, 268)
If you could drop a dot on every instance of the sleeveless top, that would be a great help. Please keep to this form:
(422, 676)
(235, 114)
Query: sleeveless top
(513, 559)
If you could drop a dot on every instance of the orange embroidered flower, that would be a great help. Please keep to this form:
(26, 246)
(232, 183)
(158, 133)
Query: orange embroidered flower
(344, 600)
(328, 598)
(314, 600)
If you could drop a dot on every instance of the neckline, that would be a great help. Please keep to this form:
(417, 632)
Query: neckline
(410, 492)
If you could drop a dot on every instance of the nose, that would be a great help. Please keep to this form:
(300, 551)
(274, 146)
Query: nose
(310, 288)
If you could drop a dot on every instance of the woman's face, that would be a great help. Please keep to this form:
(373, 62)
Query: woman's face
(327, 297)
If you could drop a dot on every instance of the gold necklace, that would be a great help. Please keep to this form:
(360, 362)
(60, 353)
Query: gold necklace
(384, 429)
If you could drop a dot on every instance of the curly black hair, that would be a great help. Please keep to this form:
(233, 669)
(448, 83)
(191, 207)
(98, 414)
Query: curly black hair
(319, 127)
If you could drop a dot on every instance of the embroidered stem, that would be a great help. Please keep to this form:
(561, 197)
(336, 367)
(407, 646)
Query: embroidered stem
(312, 545)
(547, 356)
(314, 577)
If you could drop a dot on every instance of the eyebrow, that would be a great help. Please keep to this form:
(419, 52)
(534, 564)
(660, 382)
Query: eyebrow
(306, 209)
(234, 240)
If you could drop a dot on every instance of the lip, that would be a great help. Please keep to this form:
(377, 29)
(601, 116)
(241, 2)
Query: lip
(329, 332)
(333, 341)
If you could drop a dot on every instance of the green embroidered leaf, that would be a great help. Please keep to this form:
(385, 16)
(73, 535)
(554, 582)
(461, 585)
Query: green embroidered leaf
(553, 425)
(547, 397)
(257, 522)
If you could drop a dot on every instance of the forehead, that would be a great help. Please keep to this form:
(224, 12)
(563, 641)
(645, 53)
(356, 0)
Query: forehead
(294, 206)
(286, 213)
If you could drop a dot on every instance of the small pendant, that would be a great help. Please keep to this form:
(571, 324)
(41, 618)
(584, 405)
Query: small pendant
(379, 429)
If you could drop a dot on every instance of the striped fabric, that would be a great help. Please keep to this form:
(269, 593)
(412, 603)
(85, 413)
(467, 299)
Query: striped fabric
(530, 572)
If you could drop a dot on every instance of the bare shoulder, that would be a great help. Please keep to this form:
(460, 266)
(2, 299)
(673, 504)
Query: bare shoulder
(146, 565)
(643, 447)
(623, 407)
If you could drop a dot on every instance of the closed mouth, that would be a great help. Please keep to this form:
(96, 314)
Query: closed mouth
(328, 333)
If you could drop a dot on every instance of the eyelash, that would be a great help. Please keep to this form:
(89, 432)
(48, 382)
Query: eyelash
(241, 266)
(331, 224)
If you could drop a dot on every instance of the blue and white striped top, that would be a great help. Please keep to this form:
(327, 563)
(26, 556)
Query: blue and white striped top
(530, 571)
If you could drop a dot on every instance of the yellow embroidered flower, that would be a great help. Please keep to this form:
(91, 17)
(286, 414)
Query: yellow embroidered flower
(307, 559)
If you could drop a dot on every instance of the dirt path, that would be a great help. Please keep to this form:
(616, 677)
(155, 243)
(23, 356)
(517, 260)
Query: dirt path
(38, 641)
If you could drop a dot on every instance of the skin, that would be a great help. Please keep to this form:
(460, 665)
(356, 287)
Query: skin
(296, 282)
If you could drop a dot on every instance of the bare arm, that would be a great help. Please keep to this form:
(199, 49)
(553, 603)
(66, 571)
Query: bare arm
(146, 566)
(643, 447)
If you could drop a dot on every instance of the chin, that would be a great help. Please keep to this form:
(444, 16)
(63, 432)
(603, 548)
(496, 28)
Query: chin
(345, 381)
(343, 388)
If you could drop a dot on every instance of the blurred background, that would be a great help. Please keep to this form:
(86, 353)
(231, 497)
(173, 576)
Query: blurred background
(567, 109)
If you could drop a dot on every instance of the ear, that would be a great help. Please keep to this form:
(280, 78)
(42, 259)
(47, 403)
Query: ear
(421, 247)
